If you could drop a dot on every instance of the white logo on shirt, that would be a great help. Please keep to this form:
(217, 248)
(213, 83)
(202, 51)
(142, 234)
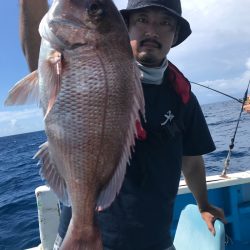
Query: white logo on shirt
(169, 117)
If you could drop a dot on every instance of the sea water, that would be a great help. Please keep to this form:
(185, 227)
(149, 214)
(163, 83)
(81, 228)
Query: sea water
(19, 173)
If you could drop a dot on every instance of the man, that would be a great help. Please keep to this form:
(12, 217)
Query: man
(176, 134)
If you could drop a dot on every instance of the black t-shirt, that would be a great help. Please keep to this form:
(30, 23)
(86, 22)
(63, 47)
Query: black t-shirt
(141, 215)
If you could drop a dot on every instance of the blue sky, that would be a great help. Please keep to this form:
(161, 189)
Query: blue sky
(217, 54)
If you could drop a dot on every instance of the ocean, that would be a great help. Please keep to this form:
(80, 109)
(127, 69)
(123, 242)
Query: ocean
(19, 173)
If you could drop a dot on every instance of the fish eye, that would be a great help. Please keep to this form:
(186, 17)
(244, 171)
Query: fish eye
(95, 9)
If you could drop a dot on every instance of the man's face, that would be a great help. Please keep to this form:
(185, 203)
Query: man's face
(152, 32)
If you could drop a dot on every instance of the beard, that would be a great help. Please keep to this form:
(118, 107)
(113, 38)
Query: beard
(148, 59)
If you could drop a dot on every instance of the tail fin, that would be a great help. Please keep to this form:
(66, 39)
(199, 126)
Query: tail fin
(83, 238)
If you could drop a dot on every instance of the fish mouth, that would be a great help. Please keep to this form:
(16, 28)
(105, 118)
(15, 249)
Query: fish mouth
(69, 22)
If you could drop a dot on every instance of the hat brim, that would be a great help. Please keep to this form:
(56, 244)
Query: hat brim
(184, 26)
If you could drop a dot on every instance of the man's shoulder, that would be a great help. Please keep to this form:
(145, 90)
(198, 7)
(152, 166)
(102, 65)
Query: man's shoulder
(179, 82)
(193, 104)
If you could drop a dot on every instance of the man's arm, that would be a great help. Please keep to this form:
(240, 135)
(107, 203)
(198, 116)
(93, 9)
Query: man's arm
(194, 173)
(31, 13)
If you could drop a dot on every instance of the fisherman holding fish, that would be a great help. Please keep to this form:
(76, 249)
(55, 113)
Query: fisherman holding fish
(173, 137)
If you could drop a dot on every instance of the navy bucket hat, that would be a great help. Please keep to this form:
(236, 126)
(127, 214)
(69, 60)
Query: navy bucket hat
(173, 7)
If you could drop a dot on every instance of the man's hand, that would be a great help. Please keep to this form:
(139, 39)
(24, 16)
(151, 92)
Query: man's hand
(246, 106)
(209, 214)
(194, 173)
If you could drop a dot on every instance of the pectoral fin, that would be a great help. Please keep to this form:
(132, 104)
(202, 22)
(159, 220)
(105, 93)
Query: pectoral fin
(24, 91)
(53, 68)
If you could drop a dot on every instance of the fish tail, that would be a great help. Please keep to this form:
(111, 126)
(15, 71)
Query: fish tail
(86, 238)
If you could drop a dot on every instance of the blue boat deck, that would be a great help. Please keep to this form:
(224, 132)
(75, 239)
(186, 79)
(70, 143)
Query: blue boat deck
(233, 195)
(238, 246)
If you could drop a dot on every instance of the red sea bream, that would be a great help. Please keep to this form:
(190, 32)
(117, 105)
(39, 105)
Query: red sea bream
(90, 92)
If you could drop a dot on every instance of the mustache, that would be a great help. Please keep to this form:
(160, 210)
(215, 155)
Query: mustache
(151, 40)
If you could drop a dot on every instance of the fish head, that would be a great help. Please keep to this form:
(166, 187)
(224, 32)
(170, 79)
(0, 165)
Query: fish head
(74, 23)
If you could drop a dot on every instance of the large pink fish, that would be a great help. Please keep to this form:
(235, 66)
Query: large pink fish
(88, 86)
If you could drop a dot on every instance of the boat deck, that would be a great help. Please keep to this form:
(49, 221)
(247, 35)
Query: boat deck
(237, 245)
(234, 246)
(232, 194)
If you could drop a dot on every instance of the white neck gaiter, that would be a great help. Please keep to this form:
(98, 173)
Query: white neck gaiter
(153, 75)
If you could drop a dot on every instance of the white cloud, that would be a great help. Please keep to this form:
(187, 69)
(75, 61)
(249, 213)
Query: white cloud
(235, 87)
(13, 122)
(217, 52)
(248, 63)
(20, 121)
(121, 4)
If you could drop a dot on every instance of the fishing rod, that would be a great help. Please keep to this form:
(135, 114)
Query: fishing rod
(215, 90)
(231, 146)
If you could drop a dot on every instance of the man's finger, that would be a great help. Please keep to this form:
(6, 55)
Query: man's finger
(210, 225)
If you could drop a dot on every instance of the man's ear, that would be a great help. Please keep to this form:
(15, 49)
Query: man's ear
(176, 35)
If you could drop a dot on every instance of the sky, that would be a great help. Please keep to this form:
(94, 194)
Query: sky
(217, 54)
